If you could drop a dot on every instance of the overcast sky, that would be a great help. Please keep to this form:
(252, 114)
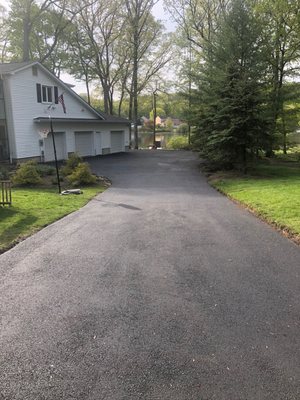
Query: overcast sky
(159, 13)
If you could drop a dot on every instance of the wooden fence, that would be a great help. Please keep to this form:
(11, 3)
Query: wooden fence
(5, 194)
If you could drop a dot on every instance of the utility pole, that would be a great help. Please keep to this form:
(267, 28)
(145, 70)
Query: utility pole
(154, 118)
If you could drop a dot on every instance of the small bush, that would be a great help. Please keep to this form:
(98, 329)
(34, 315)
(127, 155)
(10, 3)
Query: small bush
(4, 174)
(73, 161)
(54, 179)
(178, 143)
(45, 170)
(183, 128)
(81, 175)
(27, 174)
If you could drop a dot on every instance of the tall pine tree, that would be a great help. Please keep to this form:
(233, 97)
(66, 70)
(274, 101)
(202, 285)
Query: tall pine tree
(230, 124)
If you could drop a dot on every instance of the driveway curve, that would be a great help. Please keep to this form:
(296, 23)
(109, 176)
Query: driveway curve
(160, 288)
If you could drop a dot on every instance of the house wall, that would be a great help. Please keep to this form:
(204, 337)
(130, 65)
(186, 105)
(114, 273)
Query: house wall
(102, 146)
(22, 87)
(22, 107)
(9, 119)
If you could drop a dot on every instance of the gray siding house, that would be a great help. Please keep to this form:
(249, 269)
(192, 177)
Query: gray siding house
(30, 96)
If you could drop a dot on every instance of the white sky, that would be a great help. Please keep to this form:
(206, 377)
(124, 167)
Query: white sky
(159, 13)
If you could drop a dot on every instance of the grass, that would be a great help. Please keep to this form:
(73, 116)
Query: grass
(272, 191)
(35, 208)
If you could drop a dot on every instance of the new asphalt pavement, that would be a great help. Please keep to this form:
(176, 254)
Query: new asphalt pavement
(160, 288)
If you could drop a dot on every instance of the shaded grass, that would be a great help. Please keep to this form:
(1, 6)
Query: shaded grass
(35, 208)
(272, 191)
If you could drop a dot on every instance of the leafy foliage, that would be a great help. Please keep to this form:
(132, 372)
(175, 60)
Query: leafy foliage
(81, 175)
(45, 170)
(183, 128)
(4, 174)
(72, 162)
(27, 174)
(178, 143)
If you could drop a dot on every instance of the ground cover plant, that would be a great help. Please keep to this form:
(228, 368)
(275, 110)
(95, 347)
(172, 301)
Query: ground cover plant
(271, 190)
(36, 203)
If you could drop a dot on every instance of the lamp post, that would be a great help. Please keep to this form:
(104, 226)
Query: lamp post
(55, 156)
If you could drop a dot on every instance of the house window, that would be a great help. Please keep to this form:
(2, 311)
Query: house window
(47, 96)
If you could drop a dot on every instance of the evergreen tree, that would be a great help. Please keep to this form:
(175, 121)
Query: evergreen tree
(230, 123)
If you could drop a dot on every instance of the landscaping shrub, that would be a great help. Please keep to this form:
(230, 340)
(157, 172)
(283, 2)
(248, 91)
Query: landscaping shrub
(73, 161)
(178, 143)
(183, 128)
(81, 175)
(4, 174)
(45, 170)
(27, 174)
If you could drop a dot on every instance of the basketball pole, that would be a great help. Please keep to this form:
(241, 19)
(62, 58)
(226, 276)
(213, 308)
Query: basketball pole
(55, 156)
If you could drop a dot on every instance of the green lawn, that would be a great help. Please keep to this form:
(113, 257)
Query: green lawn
(35, 208)
(272, 191)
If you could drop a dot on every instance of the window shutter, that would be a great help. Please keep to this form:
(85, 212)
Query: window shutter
(56, 94)
(38, 93)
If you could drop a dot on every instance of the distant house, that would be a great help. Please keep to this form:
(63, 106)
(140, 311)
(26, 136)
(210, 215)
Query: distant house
(143, 120)
(162, 122)
(29, 95)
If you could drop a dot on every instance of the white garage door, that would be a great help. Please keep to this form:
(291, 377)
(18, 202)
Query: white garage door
(60, 145)
(84, 143)
(117, 141)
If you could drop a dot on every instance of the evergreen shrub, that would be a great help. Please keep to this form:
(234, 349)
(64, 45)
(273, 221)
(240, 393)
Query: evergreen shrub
(81, 175)
(27, 174)
(45, 170)
(73, 161)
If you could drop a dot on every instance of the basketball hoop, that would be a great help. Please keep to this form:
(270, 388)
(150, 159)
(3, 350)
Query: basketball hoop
(44, 133)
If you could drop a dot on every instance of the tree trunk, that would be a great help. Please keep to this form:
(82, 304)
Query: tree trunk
(111, 103)
(135, 86)
(121, 102)
(284, 133)
(105, 98)
(244, 158)
(87, 89)
(130, 112)
(26, 37)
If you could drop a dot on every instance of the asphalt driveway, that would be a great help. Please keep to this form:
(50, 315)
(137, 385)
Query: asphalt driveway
(160, 288)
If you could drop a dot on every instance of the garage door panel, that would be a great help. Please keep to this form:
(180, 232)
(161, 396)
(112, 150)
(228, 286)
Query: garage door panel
(117, 141)
(60, 145)
(84, 143)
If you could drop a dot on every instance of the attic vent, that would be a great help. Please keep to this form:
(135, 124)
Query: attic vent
(34, 70)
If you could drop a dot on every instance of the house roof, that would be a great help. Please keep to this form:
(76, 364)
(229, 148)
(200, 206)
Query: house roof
(11, 68)
(6, 68)
(107, 118)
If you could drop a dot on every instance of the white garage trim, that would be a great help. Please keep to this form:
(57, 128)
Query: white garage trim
(60, 145)
(98, 143)
(84, 143)
(117, 141)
